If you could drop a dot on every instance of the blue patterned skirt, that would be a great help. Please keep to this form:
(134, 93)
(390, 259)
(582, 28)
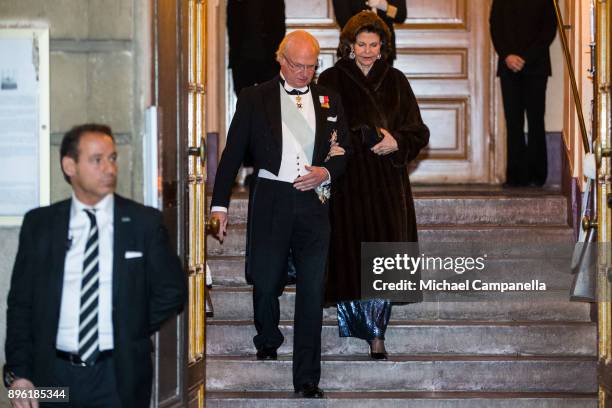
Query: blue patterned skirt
(364, 319)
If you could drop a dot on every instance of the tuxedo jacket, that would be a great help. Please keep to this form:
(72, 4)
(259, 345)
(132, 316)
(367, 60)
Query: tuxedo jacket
(525, 28)
(345, 9)
(146, 291)
(256, 130)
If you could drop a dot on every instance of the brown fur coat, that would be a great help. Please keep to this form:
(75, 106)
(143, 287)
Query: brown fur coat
(372, 202)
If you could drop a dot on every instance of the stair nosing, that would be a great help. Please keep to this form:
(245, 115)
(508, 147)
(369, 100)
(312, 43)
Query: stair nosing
(403, 395)
(405, 358)
(430, 323)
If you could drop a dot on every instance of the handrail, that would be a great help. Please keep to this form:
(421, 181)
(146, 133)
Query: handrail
(570, 68)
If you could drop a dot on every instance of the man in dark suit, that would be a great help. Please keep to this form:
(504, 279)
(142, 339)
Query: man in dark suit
(296, 134)
(255, 28)
(522, 32)
(94, 277)
(390, 11)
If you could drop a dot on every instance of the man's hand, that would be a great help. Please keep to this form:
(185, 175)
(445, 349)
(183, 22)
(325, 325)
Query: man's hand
(312, 180)
(379, 4)
(387, 145)
(222, 217)
(23, 384)
(515, 63)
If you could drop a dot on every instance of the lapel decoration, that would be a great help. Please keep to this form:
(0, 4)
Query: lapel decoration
(324, 100)
(126, 219)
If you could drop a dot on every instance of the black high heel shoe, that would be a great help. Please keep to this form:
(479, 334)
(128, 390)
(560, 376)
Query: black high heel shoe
(378, 355)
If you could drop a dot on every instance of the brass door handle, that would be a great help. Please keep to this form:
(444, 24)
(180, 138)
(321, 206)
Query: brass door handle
(212, 226)
(600, 153)
(200, 152)
(588, 223)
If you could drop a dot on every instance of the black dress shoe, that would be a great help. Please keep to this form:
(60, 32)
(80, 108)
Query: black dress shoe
(267, 353)
(310, 390)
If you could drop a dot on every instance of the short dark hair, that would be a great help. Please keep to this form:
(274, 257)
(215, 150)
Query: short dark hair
(70, 142)
(368, 22)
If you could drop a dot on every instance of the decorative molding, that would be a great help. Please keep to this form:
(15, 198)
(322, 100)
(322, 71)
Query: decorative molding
(435, 57)
(459, 106)
(424, 22)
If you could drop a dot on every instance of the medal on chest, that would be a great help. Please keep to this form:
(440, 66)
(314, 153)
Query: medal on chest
(298, 101)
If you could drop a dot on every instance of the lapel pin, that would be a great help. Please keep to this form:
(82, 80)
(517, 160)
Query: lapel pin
(324, 101)
(126, 219)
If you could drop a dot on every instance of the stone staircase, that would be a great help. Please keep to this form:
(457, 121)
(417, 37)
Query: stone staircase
(478, 354)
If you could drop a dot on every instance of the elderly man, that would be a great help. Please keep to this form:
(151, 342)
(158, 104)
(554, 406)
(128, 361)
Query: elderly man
(296, 134)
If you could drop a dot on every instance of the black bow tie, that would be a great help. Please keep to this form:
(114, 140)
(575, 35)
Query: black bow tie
(293, 91)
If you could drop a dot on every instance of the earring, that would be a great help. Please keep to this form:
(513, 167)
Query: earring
(352, 54)
(379, 56)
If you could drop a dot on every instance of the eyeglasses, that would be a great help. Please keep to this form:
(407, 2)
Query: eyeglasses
(300, 67)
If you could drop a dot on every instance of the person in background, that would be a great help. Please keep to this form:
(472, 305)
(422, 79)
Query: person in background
(255, 28)
(390, 11)
(372, 202)
(522, 32)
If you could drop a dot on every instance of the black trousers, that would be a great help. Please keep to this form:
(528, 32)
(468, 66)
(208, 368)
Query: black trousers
(89, 387)
(284, 219)
(527, 161)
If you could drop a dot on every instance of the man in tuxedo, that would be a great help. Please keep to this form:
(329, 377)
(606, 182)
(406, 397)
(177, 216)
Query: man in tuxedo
(94, 278)
(522, 32)
(390, 11)
(297, 135)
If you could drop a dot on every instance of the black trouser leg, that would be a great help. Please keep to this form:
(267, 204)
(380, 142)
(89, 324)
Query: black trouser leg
(535, 104)
(270, 233)
(309, 244)
(514, 109)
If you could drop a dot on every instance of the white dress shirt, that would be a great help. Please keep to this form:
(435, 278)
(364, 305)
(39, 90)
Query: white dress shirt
(293, 159)
(68, 329)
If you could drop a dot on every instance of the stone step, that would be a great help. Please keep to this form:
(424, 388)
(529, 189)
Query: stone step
(237, 304)
(467, 338)
(554, 272)
(495, 208)
(529, 241)
(420, 373)
(401, 399)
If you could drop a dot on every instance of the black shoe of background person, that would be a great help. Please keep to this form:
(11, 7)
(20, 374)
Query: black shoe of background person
(309, 390)
(515, 184)
(267, 353)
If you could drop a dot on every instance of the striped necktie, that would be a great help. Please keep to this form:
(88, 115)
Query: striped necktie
(88, 314)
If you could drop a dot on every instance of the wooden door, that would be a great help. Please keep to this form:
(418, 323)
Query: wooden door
(179, 28)
(444, 49)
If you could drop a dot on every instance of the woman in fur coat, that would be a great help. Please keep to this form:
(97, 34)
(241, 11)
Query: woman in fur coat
(373, 202)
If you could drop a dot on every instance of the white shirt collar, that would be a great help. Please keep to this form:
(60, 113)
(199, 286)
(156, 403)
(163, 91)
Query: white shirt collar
(104, 208)
(289, 88)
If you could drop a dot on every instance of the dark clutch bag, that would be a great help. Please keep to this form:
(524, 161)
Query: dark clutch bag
(370, 136)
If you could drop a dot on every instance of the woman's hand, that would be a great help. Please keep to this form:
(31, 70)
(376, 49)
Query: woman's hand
(387, 145)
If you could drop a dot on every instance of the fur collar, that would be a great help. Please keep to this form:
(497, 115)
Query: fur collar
(373, 80)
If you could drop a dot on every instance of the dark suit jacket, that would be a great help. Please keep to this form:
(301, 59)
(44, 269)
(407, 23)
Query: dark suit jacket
(256, 129)
(345, 9)
(146, 292)
(525, 28)
(255, 28)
